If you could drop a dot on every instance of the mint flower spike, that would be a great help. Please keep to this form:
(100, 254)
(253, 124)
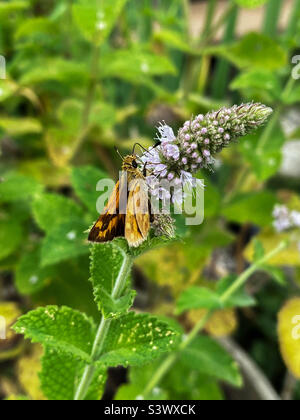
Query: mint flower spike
(177, 158)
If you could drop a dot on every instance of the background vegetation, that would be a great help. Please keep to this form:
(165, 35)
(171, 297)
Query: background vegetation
(82, 79)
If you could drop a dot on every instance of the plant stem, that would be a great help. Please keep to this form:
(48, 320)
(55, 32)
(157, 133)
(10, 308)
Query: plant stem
(271, 17)
(210, 11)
(89, 99)
(295, 14)
(239, 282)
(103, 330)
(221, 78)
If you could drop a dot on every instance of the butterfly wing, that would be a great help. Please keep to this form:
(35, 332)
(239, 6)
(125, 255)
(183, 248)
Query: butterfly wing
(110, 224)
(137, 223)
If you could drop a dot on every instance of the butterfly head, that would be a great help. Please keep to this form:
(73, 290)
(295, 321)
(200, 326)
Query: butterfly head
(130, 163)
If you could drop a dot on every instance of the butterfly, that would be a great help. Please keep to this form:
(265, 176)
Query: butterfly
(129, 218)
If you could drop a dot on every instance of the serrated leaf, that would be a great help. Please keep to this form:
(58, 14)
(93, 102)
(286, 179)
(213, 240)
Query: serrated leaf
(208, 357)
(197, 298)
(289, 335)
(84, 181)
(239, 299)
(97, 19)
(52, 210)
(64, 242)
(137, 339)
(106, 263)
(61, 373)
(16, 187)
(60, 328)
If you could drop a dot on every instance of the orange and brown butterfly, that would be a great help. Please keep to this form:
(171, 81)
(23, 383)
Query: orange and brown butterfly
(132, 222)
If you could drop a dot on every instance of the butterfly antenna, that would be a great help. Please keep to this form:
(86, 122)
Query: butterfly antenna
(138, 144)
(117, 150)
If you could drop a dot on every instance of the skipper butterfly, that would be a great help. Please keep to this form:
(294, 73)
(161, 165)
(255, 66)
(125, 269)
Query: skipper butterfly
(132, 221)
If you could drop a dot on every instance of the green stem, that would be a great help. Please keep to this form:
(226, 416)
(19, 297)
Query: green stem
(210, 12)
(221, 78)
(89, 98)
(103, 330)
(271, 126)
(238, 283)
(293, 22)
(271, 17)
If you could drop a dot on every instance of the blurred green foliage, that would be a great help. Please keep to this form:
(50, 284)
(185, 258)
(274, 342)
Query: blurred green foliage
(83, 77)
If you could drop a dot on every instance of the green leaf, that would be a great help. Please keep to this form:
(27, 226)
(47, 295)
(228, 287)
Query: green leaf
(84, 181)
(240, 299)
(35, 27)
(137, 339)
(174, 40)
(250, 4)
(251, 208)
(97, 19)
(254, 50)
(16, 187)
(259, 250)
(54, 69)
(264, 155)
(20, 126)
(106, 263)
(63, 242)
(135, 64)
(59, 328)
(197, 298)
(7, 8)
(52, 210)
(30, 277)
(293, 97)
(61, 374)
(208, 357)
(11, 235)
(276, 273)
(258, 79)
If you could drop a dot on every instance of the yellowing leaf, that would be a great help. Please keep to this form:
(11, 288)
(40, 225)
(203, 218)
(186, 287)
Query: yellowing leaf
(28, 369)
(221, 324)
(270, 240)
(10, 347)
(289, 335)
(169, 267)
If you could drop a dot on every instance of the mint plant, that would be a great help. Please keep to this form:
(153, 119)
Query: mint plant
(77, 352)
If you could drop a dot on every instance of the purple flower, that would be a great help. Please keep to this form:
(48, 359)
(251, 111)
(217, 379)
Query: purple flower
(282, 219)
(177, 158)
(166, 134)
(171, 151)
